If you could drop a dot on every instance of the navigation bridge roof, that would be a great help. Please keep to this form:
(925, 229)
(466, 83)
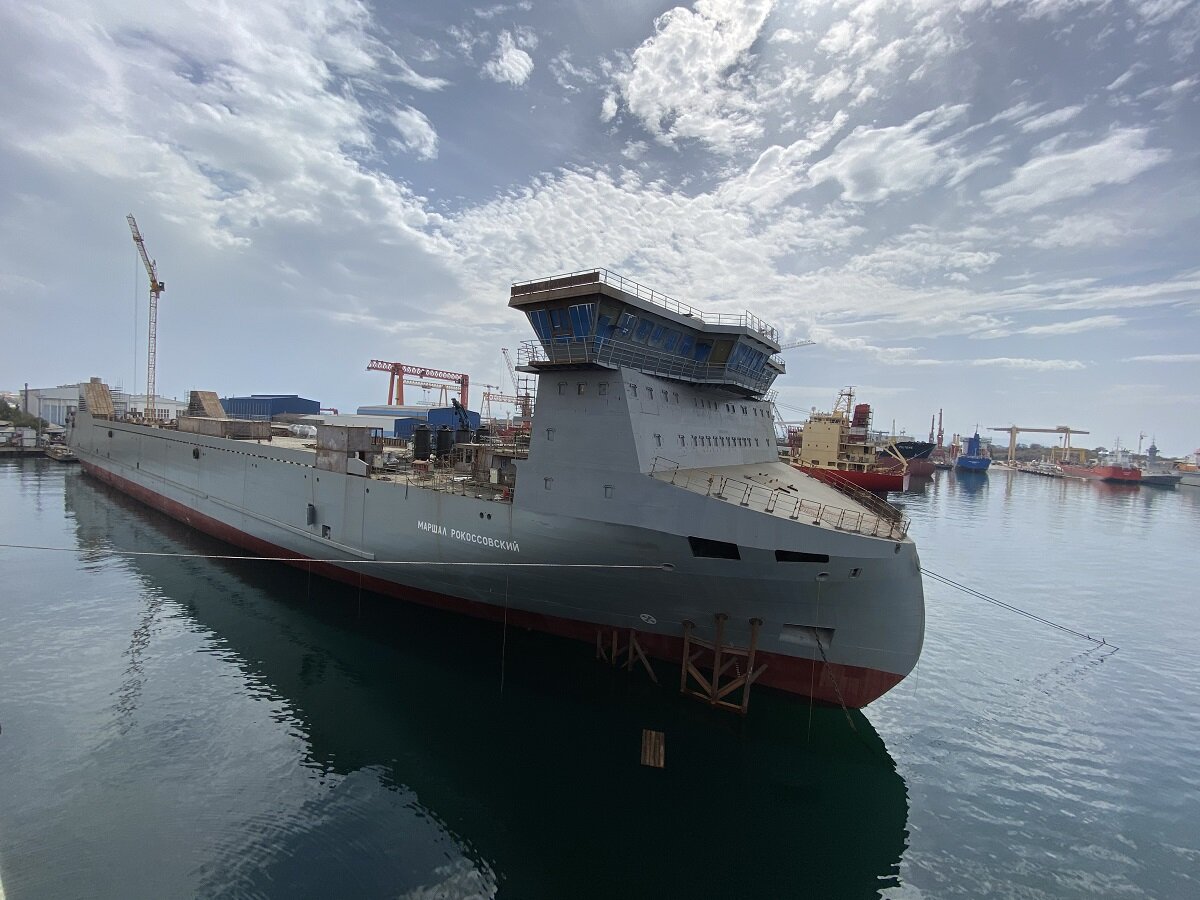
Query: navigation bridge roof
(596, 318)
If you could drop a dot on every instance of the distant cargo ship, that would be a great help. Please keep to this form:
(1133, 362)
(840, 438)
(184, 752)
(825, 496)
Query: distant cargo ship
(1117, 467)
(973, 458)
(835, 447)
(914, 456)
(650, 499)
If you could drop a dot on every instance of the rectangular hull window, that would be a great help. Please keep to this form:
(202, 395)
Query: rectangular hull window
(714, 549)
(797, 556)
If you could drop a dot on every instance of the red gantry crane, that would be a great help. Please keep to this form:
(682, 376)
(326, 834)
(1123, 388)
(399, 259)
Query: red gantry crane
(397, 371)
(156, 288)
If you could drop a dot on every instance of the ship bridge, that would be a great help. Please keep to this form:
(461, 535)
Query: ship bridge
(597, 319)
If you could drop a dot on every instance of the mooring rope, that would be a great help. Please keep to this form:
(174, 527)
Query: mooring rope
(661, 567)
(950, 582)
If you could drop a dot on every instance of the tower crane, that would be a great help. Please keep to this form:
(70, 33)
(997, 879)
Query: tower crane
(156, 288)
(794, 344)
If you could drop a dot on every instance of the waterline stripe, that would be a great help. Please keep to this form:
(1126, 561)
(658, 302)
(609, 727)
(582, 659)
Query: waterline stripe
(661, 567)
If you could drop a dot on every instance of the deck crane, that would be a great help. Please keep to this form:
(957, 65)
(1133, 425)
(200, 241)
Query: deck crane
(399, 370)
(156, 288)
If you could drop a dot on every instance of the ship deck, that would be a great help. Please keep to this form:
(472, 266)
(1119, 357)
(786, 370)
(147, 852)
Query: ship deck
(435, 477)
(779, 490)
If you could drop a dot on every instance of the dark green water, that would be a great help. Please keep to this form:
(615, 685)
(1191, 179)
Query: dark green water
(177, 728)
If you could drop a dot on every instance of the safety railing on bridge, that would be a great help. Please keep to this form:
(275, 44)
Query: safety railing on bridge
(603, 276)
(614, 353)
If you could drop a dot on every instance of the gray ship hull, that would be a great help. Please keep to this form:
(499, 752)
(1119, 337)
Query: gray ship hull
(610, 549)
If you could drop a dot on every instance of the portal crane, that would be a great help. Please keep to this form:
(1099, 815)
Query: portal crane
(1014, 430)
(156, 288)
(397, 371)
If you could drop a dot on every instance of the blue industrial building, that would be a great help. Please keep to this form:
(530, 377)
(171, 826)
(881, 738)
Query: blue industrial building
(268, 406)
(412, 416)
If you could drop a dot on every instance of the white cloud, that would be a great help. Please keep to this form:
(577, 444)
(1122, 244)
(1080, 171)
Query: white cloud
(1121, 80)
(567, 75)
(872, 164)
(634, 150)
(1083, 230)
(923, 252)
(1055, 175)
(1051, 119)
(608, 108)
(1035, 365)
(417, 135)
(1074, 327)
(405, 74)
(785, 36)
(1165, 358)
(509, 64)
(684, 81)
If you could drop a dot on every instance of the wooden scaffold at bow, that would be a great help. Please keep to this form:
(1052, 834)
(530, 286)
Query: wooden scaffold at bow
(724, 657)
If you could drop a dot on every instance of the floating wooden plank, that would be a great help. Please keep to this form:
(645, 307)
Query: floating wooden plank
(654, 748)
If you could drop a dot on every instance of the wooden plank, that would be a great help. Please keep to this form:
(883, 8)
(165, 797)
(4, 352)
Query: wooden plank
(654, 748)
(684, 659)
(634, 645)
(721, 617)
(731, 687)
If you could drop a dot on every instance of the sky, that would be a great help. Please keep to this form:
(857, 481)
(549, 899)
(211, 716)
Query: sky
(985, 207)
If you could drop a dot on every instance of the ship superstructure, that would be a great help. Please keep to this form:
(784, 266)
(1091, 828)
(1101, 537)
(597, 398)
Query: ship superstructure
(650, 500)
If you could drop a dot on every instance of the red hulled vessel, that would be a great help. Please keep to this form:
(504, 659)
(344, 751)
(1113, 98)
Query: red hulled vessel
(834, 447)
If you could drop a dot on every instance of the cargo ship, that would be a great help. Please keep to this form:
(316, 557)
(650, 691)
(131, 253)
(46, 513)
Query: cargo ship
(906, 455)
(648, 507)
(836, 448)
(1117, 467)
(1189, 469)
(973, 458)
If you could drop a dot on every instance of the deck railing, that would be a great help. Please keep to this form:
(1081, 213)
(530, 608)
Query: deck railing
(604, 276)
(779, 501)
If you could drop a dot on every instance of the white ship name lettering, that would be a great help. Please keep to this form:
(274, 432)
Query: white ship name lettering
(469, 537)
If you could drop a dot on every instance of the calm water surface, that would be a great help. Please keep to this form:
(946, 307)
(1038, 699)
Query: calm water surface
(179, 728)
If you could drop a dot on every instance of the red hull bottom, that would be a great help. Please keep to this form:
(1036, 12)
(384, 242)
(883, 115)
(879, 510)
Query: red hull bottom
(918, 467)
(1117, 474)
(831, 683)
(868, 481)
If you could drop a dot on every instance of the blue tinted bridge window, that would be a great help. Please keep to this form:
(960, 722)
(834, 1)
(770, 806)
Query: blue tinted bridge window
(581, 319)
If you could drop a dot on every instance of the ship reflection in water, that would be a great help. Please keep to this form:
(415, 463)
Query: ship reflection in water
(411, 773)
